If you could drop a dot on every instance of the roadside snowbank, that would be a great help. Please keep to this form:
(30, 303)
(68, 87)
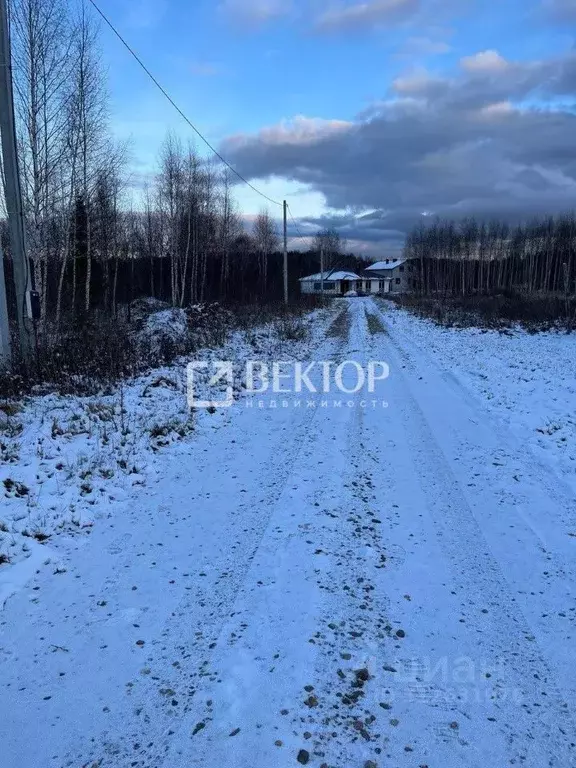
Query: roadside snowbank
(66, 461)
(527, 380)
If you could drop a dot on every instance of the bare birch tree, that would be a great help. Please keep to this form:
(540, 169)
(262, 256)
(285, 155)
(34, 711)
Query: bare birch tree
(42, 42)
(266, 238)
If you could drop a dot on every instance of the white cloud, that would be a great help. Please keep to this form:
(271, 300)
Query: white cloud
(255, 13)
(500, 109)
(299, 131)
(419, 82)
(366, 15)
(484, 62)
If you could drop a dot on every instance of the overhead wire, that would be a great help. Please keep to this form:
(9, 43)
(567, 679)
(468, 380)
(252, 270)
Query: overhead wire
(176, 107)
(303, 237)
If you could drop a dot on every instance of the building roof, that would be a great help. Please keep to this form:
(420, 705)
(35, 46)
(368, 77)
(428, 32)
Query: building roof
(331, 276)
(382, 265)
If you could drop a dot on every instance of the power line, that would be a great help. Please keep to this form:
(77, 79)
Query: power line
(303, 237)
(176, 107)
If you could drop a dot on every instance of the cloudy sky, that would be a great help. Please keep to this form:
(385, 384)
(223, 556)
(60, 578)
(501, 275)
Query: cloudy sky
(368, 115)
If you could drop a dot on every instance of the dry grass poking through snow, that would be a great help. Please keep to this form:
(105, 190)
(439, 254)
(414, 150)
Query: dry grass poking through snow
(375, 324)
(340, 327)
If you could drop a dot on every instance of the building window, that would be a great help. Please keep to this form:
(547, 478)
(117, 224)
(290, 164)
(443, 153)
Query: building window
(398, 281)
(328, 286)
(401, 269)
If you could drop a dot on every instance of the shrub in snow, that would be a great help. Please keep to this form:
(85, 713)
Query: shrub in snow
(172, 332)
(291, 329)
(141, 309)
(83, 358)
(209, 324)
(498, 310)
(163, 336)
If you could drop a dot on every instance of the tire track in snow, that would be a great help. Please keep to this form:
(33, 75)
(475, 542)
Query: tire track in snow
(197, 656)
(555, 485)
(345, 727)
(181, 662)
(275, 711)
(526, 511)
(539, 729)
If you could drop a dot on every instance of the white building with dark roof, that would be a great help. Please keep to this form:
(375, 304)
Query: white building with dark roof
(336, 283)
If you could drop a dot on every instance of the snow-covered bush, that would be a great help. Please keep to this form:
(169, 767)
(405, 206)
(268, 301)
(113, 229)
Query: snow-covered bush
(291, 329)
(209, 324)
(163, 337)
(169, 333)
(89, 357)
(140, 309)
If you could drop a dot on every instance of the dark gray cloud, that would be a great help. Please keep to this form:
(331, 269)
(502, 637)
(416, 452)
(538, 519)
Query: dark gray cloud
(560, 10)
(497, 139)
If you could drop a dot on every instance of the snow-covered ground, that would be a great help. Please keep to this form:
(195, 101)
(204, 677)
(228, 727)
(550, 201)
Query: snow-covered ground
(341, 585)
(527, 381)
(66, 462)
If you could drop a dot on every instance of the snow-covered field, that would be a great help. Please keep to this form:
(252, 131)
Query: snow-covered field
(527, 381)
(386, 580)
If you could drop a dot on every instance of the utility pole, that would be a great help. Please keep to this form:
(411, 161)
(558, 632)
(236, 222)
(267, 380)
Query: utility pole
(322, 274)
(12, 191)
(5, 354)
(285, 252)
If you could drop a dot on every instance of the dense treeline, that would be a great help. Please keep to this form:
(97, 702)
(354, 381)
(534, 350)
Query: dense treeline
(119, 280)
(467, 258)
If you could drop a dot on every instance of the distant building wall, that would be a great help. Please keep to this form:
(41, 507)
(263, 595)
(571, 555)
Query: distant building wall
(403, 278)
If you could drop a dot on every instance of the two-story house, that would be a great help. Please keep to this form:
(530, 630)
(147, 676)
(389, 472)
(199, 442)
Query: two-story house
(394, 275)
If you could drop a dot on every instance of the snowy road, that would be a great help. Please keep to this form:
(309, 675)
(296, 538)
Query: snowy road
(334, 585)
